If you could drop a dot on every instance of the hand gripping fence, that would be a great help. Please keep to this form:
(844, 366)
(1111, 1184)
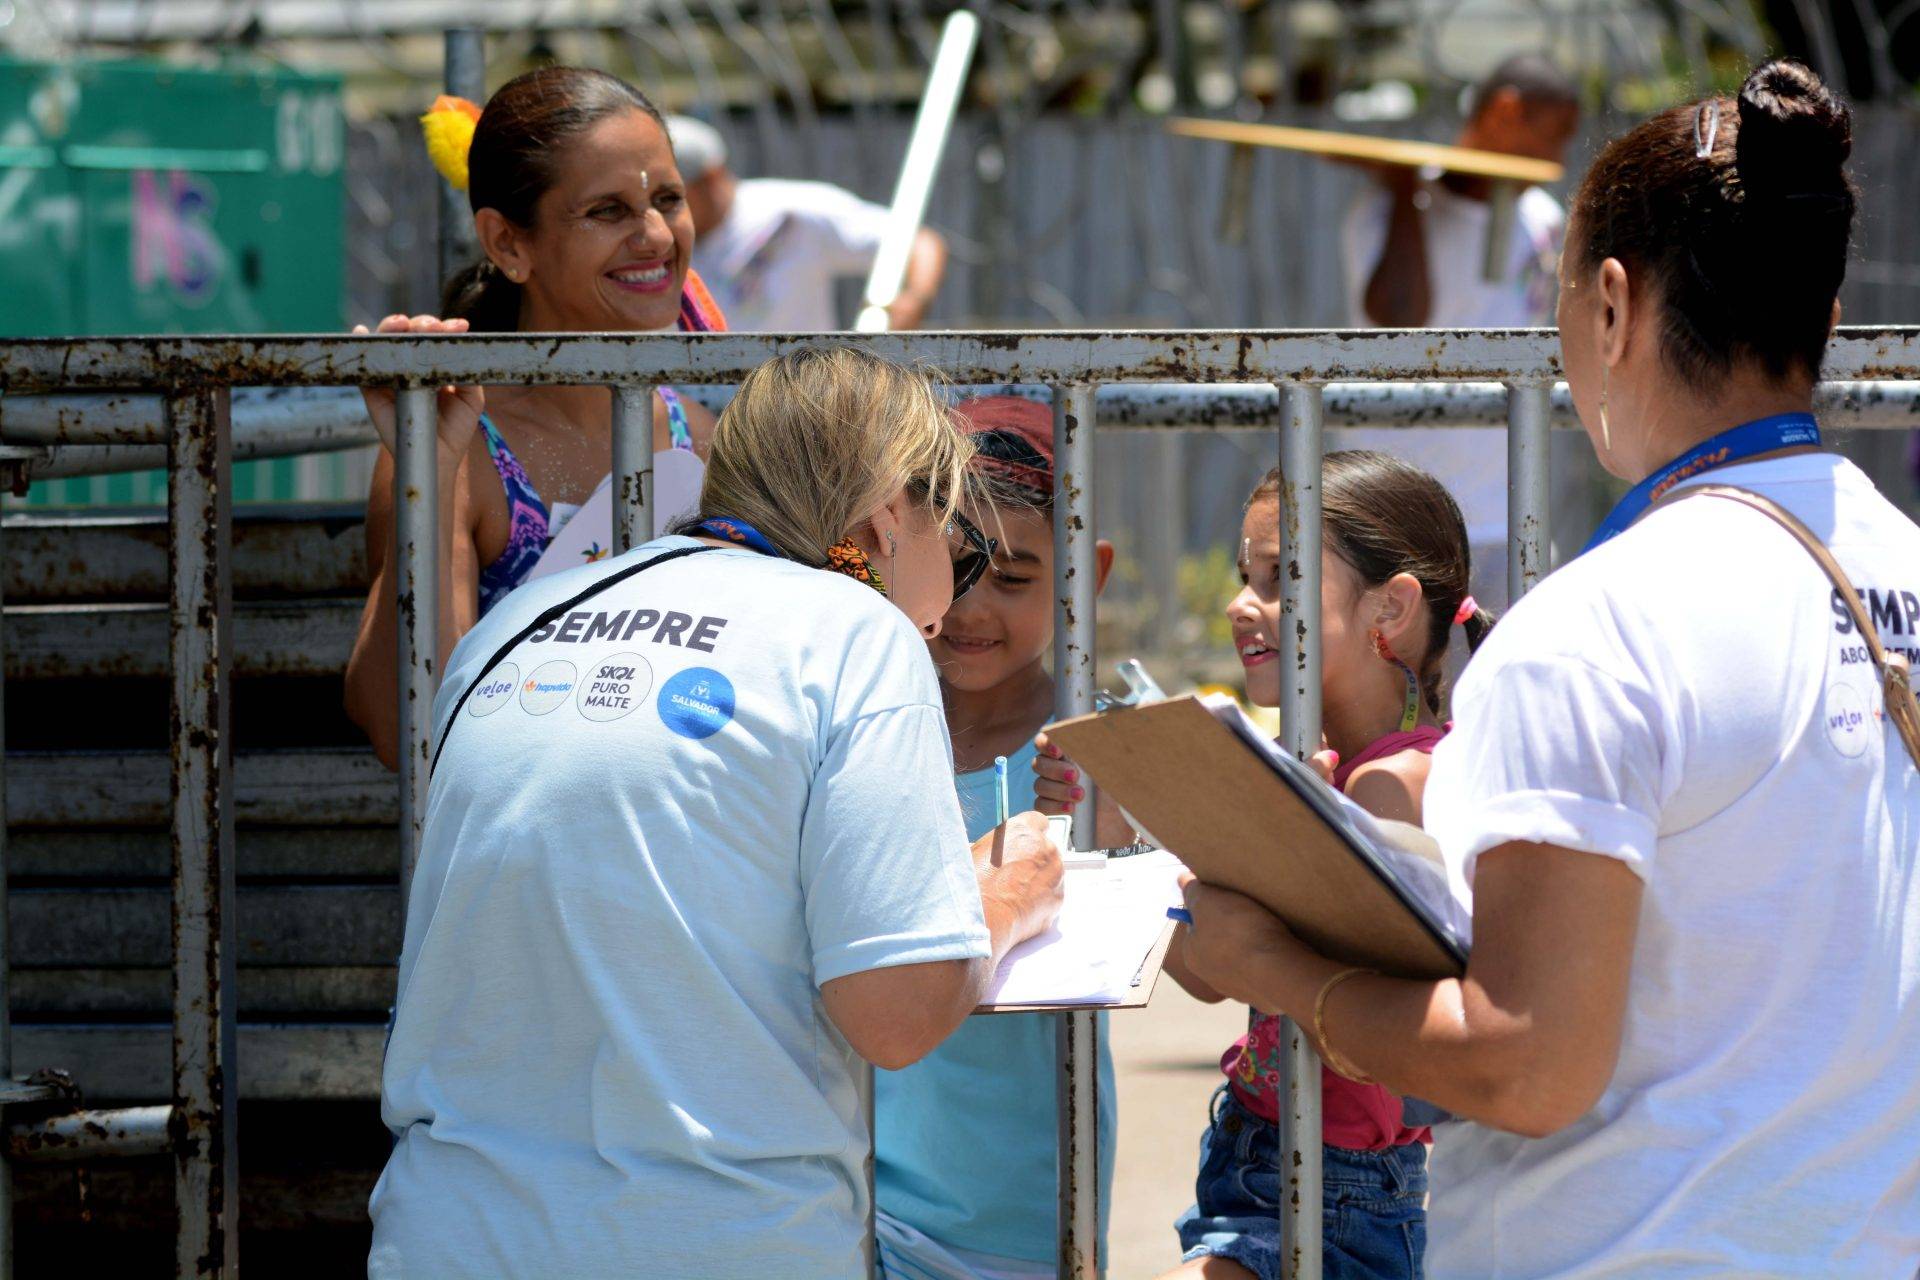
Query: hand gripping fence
(189, 380)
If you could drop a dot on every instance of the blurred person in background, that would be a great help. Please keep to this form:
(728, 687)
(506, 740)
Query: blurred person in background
(1414, 246)
(772, 248)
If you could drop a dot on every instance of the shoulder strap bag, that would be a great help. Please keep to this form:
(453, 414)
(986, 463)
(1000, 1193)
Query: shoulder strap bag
(1896, 680)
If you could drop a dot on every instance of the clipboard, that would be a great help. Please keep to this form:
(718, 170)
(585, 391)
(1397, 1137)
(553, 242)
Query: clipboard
(1245, 821)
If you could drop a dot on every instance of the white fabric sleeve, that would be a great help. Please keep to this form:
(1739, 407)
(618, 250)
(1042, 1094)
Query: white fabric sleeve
(885, 867)
(1552, 750)
(1362, 236)
(850, 229)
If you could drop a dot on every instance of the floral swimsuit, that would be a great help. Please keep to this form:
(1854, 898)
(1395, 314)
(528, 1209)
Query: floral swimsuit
(529, 522)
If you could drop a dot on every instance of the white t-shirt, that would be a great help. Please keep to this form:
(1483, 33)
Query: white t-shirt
(1470, 461)
(656, 829)
(772, 264)
(1456, 236)
(1691, 699)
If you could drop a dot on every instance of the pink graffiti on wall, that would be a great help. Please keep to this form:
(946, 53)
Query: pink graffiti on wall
(173, 241)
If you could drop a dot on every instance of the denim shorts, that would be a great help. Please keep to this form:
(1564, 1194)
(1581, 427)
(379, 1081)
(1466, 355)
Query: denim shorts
(1374, 1217)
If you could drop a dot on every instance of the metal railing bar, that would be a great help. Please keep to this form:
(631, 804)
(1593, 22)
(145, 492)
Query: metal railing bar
(632, 466)
(1053, 356)
(1528, 487)
(1300, 543)
(465, 59)
(6, 991)
(278, 422)
(416, 583)
(1075, 587)
(1017, 356)
(75, 1136)
(205, 1092)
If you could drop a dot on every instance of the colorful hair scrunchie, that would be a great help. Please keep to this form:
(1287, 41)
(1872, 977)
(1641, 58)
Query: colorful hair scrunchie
(448, 126)
(843, 557)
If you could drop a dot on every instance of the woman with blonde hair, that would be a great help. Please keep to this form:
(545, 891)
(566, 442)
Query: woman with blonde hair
(692, 847)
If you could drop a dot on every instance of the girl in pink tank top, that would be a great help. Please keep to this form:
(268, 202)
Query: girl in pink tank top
(1393, 588)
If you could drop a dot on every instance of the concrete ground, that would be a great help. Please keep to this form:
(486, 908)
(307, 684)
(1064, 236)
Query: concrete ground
(1167, 1060)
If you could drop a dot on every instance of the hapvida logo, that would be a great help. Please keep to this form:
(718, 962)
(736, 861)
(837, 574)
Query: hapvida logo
(548, 687)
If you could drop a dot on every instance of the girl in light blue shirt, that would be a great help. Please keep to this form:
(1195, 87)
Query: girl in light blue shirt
(965, 1139)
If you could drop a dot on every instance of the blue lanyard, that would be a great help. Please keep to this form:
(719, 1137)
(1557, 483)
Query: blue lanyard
(739, 532)
(1749, 439)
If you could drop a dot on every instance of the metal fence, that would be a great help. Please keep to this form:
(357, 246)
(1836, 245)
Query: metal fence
(195, 377)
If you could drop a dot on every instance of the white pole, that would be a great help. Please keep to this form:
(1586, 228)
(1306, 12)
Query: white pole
(930, 128)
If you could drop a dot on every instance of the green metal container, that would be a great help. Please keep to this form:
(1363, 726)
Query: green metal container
(138, 197)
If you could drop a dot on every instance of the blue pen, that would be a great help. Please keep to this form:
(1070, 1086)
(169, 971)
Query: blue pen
(1181, 914)
(1000, 788)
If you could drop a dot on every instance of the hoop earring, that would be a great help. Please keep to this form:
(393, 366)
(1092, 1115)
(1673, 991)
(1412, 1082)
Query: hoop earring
(1410, 710)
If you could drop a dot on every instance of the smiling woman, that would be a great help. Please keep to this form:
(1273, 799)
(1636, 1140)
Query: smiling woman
(582, 220)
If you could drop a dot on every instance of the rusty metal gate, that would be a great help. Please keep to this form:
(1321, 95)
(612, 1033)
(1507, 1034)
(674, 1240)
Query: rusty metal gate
(175, 394)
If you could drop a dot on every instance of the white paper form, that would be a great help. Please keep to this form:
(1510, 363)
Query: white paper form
(587, 535)
(1111, 919)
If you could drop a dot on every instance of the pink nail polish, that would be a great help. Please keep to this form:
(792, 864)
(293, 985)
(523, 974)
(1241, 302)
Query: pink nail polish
(1073, 775)
(1079, 794)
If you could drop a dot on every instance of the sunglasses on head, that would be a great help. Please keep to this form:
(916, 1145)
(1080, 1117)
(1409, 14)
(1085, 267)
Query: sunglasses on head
(971, 559)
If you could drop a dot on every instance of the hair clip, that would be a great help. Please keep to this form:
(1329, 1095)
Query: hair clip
(1703, 146)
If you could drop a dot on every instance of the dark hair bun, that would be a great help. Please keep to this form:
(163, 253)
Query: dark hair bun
(1795, 135)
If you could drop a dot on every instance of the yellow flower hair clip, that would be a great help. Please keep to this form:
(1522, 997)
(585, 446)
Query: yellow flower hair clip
(448, 127)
